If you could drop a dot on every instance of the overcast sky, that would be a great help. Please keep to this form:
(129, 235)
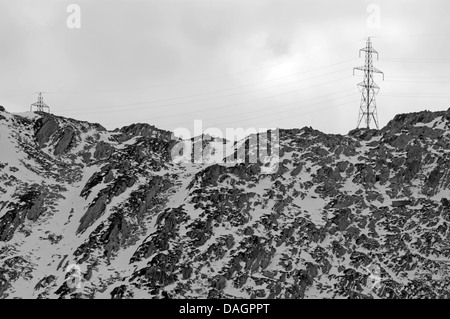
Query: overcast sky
(229, 63)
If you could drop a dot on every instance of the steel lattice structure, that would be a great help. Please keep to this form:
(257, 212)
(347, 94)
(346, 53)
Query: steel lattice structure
(368, 88)
(40, 105)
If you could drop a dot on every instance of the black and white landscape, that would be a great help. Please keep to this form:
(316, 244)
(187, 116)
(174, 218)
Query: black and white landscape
(109, 188)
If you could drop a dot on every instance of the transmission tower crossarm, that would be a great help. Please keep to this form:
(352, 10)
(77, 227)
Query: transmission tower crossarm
(365, 68)
(370, 50)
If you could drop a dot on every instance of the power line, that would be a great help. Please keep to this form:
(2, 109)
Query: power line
(184, 102)
(419, 82)
(413, 60)
(15, 95)
(416, 60)
(278, 106)
(412, 35)
(204, 79)
(213, 77)
(320, 110)
(218, 91)
(419, 77)
(253, 111)
(227, 89)
(272, 117)
(240, 103)
(170, 105)
(433, 96)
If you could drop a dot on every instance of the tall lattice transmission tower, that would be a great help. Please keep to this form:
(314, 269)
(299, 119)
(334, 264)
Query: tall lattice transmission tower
(40, 105)
(368, 88)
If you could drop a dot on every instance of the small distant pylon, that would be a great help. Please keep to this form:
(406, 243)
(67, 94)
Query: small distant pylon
(368, 88)
(40, 105)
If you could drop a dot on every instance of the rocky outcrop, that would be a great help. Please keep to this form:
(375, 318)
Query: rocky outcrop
(28, 204)
(142, 130)
(137, 224)
(37, 209)
(103, 150)
(47, 127)
(65, 141)
(95, 210)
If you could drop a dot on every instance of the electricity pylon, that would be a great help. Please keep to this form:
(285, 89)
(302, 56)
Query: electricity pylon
(368, 88)
(40, 105)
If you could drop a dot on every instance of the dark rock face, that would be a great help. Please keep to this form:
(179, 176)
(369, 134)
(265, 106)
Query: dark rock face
(119, 292)
(364, 134)
(103, 150)
(48, 126)
(2, 109)
(65, 141)
(17, 212)
(210, 175)
(37, 209)
(93, 213)
(142, 130)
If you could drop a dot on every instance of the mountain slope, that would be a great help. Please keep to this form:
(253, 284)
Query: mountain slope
(113, 206)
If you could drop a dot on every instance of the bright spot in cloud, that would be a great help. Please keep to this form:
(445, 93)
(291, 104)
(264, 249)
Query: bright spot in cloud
(285, 71)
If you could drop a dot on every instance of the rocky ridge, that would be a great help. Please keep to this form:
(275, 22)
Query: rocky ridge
(138, 225)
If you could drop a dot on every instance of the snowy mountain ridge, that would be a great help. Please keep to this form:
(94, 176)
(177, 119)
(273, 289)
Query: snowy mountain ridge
(131, 223)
